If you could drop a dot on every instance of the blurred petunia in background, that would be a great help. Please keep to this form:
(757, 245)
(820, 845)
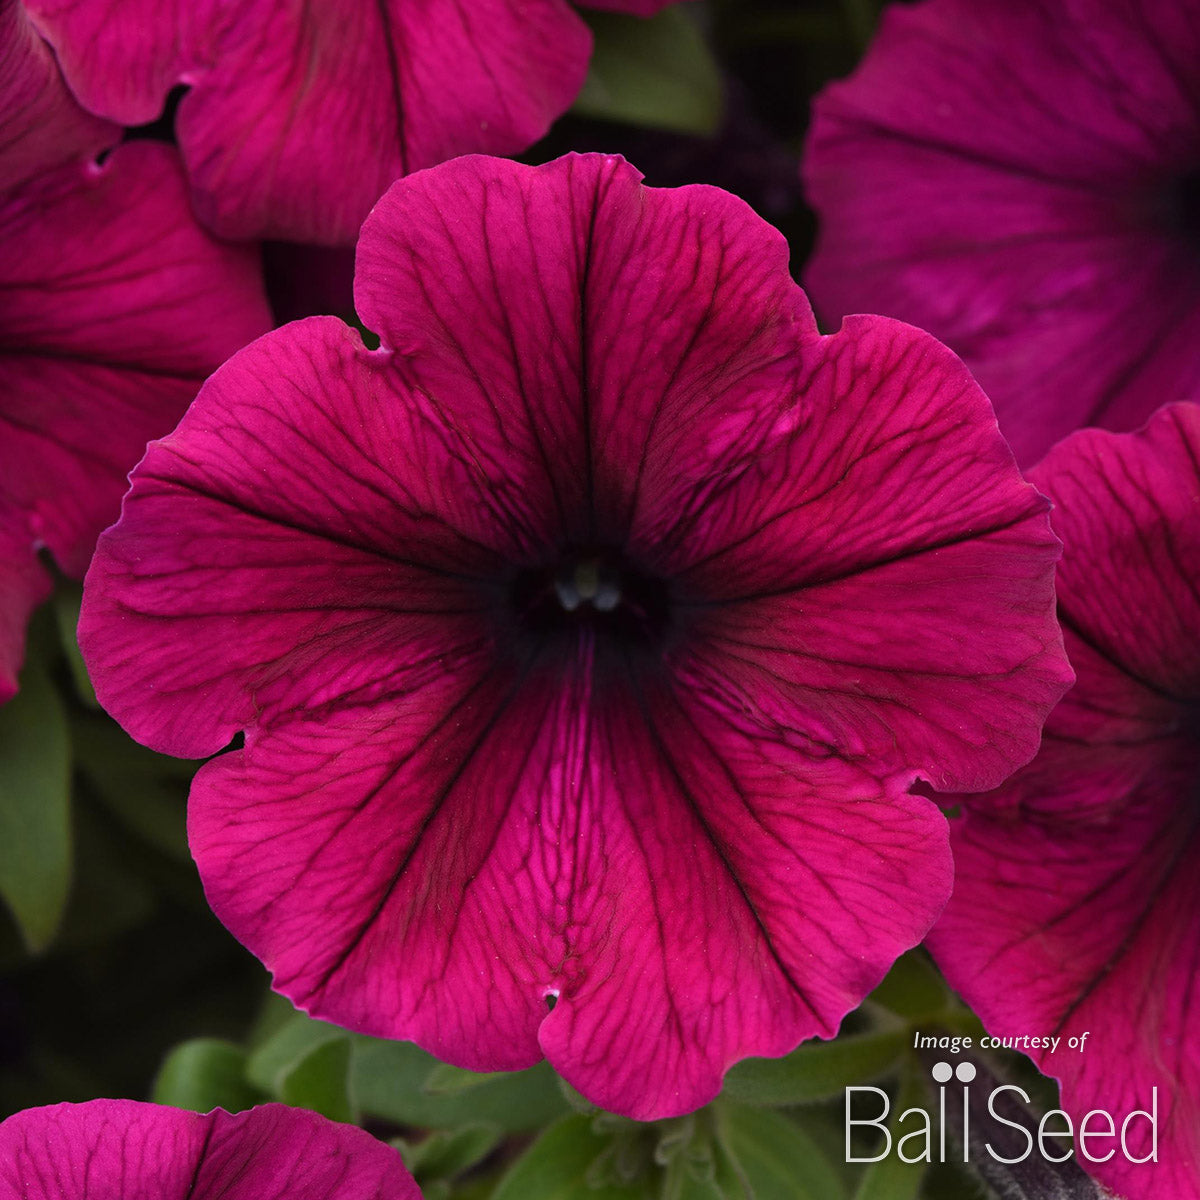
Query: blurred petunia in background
(1022, 179)
(1077, 903)
(114, 306)
(298, 116)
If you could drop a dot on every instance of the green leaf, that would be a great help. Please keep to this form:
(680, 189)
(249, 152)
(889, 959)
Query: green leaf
(203, 1074)
(913, 989)
(816, 1070)
(286, 1049)
(556, 1166)
(67, 600)
(780, 1160)
(147, 792)
(445, 1080)
(447, 1153)
(321, 1081)
(657, 72)
(891, 1178)
(35, 802)
(389, 1081)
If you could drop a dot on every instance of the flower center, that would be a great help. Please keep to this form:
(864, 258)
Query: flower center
(596, 589)
(1187, 204)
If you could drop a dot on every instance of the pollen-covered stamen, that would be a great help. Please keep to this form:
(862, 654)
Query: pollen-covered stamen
(596, 588)
(588, 582)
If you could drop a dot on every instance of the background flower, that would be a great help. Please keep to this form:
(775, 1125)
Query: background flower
(1077, 901)
(1023, 180)
(107, 1149)
(114, 305)
(298, 117)
(587, 635)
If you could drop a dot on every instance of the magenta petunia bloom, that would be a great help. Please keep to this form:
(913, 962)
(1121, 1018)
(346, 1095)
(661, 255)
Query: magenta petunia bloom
(41, 125)
(586, 637)
(126, 1150)
(1022, 179)
(1077, 905)
(114, 305)
(299, 116)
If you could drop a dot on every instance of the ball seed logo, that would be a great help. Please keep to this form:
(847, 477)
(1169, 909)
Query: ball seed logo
(920, 1136)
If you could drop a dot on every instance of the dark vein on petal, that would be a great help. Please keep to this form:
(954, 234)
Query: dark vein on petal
(1135, 928)
(911, 552)
(295, 526)
(393, 60)
(694, 806)
(502, 709)
(1072, 626)
(200, 1157)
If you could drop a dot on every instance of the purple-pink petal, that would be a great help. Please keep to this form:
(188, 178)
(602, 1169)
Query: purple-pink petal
(104, 340)
(41, 123)
(1077, 894)
(298, 118)
(463, 818)
(1015, 179)
(106, 1149)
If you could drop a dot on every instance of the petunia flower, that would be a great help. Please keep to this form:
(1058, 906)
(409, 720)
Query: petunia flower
(586, 636)
(114, 306)
(298, 116)
(1022, 179)
(1077, 904)
(126, 1150)
(41, 125)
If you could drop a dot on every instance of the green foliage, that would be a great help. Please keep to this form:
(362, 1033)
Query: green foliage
(281, 1053)
(779, 1159)
(35, 801)
(817, 1070)
(66, 603)
(657, 72)
(890, 1178)
(557, 1165)
(145, 791)
(445, 1154)
(913, 989)
(203, 1074)
(399, 1082)
(321, 1081)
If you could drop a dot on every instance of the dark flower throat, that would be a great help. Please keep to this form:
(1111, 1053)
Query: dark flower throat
(596, 590)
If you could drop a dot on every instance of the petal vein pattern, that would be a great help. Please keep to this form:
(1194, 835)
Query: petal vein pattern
(297, 117)
(109, 1148)
(1077, 898)
(586, 637)
(1020, 180)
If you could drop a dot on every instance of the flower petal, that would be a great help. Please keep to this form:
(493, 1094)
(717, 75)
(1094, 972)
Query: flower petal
(108, 1148)
(103, 341)
(1006, 177)
(487, 842)
(297, 119)
(881, 578)
(357, 533)
(458, 799)
(585, 329)
(41, 124)
(1077, 901)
